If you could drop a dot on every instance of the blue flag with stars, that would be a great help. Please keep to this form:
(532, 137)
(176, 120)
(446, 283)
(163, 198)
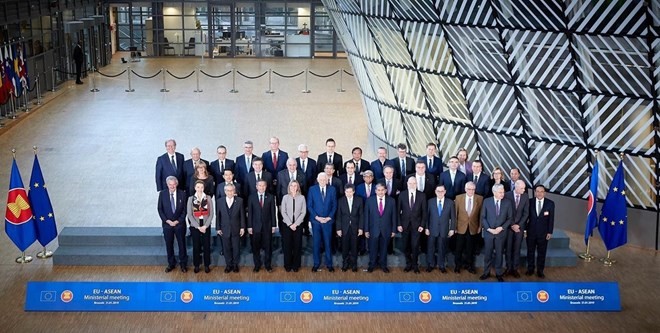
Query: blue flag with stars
(41, 206)
(613, 220)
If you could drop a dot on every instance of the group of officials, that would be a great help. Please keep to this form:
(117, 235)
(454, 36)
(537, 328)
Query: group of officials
(352, 205)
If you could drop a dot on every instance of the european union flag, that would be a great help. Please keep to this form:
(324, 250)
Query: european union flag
(592, 217)
(41, 206)
(613, 224)
(19, 224)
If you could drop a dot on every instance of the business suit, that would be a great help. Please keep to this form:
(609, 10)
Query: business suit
(453, 188)
(309, 171)
(294, 210)
(514, 239)
(262, 220)
(377, 167)
(401, 174)
(267, 157)
(539, 227)
(491, 183)
(241, 169)
(357, 179)
(427, 184)
(201, 241)
(251, 182)
(411, 219)
(220, 190)
(349, 222)
(216, 168)
(495, 243)
(283, 180)
(360, 166)
(395, 187)
(337, 185)
(170, 232)
(231, 220)
(189, 171)
(319, 206)
(482, 184)
(436, 168)
(440, 223)
(467, 227)
(164, 169)
(361, 190)
(337, 162)
(381, 228)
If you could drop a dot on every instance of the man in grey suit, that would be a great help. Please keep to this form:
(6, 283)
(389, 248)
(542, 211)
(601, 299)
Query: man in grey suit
(496, 217)
(441, 226)
(230, 225)
(515, 234)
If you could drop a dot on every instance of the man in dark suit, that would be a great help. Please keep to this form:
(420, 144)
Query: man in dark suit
(361, 165)
(330, 156)
(169, 164)
(257, 174)
(78, 59)
(514, 236)
(230, 225)
(350, 223)
(480, 179)
(228, 179)
(190, 164)
(274, 159)
(392, 186)
(350, 176)
(286, 176)
(411, 207)
(441, 225)
(172, 212)
(468, 207)
(432, 162)
(404, 164)
(514, 175)
(453, 179)
(333, 180)
(496, 218)
(380, 221)
(539, 230)
(217, 167)
(426, 182)
(308, 168)
(367, 188)
(243, 165)
(261, 225)
(322, 206)
(378, 165)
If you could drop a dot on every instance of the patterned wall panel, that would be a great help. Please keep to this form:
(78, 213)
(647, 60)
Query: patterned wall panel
(546, 86)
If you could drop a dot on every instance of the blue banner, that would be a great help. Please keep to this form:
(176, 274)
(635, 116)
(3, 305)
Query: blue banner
(322, 297)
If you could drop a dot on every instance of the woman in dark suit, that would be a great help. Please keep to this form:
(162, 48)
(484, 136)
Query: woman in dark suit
(200, 215)
(293, 210)
(497, 177)
(202, 174)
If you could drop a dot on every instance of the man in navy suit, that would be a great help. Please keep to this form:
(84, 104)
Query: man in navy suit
(367, 188)
(516, 231)
(350, 222)
(539, 230)
(322, 206)
(308, 168)
(169, 164)
(217, 167)
(411, 207)
(243, 165)
(351, 176)
(404, 165)
(274, 159)
(432, 162)
(496, 218)
(426, 182)
(392, 186)
(172, 212)
(261, 225)
(453, 179)
(256, 175)
(228, 178)
(333, 180)
(230, 225)
(361, 165)
(380, 220)
(190, 164)
(441, 225)
(285, 177)
(332, 157)
(480, 179)
(379, 163)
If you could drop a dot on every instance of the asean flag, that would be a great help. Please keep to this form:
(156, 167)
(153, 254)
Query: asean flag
(19, 223)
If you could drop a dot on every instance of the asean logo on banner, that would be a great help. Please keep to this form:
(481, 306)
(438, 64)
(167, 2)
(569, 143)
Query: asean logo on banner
(424, 296)
(186, 296)
(19, 223)
(66, 296)
(306, 296)
(542, 296)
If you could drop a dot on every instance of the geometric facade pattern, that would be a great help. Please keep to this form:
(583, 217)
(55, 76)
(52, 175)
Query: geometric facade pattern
(546, 86)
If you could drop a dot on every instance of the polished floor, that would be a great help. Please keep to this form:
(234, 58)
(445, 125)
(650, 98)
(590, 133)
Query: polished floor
(98, 151)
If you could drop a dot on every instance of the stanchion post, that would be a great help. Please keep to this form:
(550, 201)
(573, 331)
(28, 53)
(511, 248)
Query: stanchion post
(306, 91)
(197, 78)
(341, 80)
(25, 97)
(53, 77)
(164, 87)
(233, 81)
(128, 69)
(93, 77)
(270, 82)
(38, 79)
(12, 99)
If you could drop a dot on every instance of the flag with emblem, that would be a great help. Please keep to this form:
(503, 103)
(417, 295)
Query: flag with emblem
(41, 206)
(592, 216)
(19, 224)
(613, 222)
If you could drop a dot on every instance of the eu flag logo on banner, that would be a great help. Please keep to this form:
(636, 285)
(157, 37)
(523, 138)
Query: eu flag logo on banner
(613, 224)
(592, 217)
(41, 206)
(19, 224)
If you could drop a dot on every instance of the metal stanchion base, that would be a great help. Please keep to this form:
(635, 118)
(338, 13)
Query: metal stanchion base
(24, 260)
(129, 90)
(607, 261)
(198, 90)
(45, 254)
(341, 90)
(306, 91)
(233, 91)
(13, 117)
(586, 257)
(37, 103)
(164, 90)
(94, 90)
(270, 92)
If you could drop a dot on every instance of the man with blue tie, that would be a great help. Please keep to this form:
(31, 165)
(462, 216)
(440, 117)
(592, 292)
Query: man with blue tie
(496, 218)
(322, 205)
(218, 167)
(172, 212)
(539, 230)
(243, 164)
(432, 162)
(404, 164)
(169, 164)
(441, 226)
(380, 220)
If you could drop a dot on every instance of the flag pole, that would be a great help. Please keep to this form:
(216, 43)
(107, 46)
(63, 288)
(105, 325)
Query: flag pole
(586, 256)
(45, 253)
(608, 261)
(23, 259)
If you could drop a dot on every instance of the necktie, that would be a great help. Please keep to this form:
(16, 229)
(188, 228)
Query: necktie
(172, 202)
(274, 161)
(469, 207)
(261, 200)
(222, 166)
(330, 159)
(439, 208)
(517, 200)
(368, 190)
(403, 167)
(323, 194)
(420, 183)
(357, 166)
(538, 207)
(412, 199)
(350, 179)
(247, 164)
(380, 206)
(430, 163)
(389, 187)
(259, 176)
(497, 208)
(303, 166)
(173, 162)
(291, 177)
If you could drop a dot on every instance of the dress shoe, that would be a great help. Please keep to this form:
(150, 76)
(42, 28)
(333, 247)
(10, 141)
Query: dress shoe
(515, 274)
(471, 270)
(236, 269)
(331, 269)
(295, 270)
(457, 270)
(196, 270)
(529, 272)
(207, 269)
(227, 269)
(500, 278)
(484, 276)
(354, 269)
(315, 269)
(169, 269)
(287, 270)
(370, 270)
(256, 269)
(443, 270)
(416, 270)
(429, 269)
(269, 269)
(386, 270)
(540, 275)
(79, 82)
(407, 269)
(184, 269)
(344, 269)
